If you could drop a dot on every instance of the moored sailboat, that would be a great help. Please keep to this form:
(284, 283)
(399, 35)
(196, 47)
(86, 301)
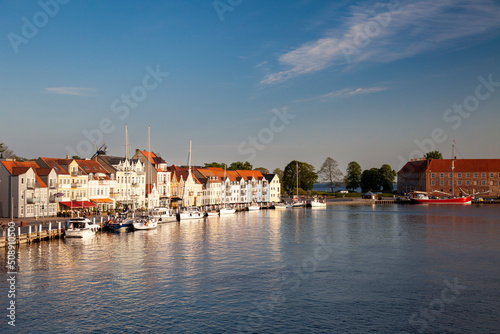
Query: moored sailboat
(421, 197)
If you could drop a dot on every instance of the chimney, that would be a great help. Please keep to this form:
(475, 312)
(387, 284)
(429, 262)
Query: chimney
(67, 156)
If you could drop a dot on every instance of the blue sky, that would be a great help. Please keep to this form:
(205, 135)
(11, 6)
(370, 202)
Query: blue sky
(372, 82)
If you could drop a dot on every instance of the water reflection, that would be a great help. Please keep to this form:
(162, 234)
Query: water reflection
(207, 275)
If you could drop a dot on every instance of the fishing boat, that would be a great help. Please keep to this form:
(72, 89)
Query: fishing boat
(80, 227)
(190, 214)
(316, 203)
(212, 213)
(163, 215)
(280, 206)
(295, 203)
(145, 223)
(254, 207)
(121, 222)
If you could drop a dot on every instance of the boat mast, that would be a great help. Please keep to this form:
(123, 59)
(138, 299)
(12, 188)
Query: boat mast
(297, 169)
(452, 168)
(126, 168)
(149, 167)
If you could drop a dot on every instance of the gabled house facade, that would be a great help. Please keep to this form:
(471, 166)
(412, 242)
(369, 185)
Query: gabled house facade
(130, 176)
(273, 188)
(157, 174)
(23, 192)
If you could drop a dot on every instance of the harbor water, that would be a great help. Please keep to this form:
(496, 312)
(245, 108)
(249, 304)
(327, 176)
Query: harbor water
(344, 269)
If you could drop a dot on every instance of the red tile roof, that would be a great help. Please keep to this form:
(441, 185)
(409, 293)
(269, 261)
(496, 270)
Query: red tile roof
(57, 164)
(248, 174)
(21, 167)
(91, 166)
(150, 156)
(444, 165)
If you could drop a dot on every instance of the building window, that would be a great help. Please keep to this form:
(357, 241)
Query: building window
(459, 182)
(441, 175)
(449, 183)
(467, 175)
(483, 182)
(433, 182)
(441, 182)
(492, 175)
(467, 182)
(475, 175)
(483, 175)
(433, 175)
(459, 175)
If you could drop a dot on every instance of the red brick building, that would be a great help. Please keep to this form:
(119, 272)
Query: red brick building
(469, 176)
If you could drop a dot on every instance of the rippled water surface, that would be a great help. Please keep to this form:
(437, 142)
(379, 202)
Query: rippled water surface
(346, 269)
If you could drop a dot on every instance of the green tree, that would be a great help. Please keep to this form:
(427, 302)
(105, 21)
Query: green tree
(238, 165)
(262, 170)
(330, 173)
(433, 155)
(353, 177)
(370, 179)
(5, 152)
(76, 157)
(307, 176)
(279, 172)
(387, 176)
(215, 164)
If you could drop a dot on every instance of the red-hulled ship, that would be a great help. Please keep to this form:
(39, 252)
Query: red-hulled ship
(423, 199)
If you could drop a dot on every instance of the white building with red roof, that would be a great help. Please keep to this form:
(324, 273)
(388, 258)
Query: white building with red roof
(26, 190)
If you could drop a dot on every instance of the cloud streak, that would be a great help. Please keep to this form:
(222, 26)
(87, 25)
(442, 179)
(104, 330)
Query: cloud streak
(352, 92)
(385, 32)
(76, 91)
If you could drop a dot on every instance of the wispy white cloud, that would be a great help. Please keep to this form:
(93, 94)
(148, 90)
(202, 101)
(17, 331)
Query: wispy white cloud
(77, 91)
(346, 92)
(385, 32)
(351, 92)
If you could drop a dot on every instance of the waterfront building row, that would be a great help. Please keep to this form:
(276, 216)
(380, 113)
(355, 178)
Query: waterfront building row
(46, 186)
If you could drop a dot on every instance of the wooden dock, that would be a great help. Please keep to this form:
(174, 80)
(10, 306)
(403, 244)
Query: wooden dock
(31, 234)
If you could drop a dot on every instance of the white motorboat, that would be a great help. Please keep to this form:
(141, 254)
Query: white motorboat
(145, 223)
(280, 206)
(316, 203)
(254, 207)
(163, 215)
(190, 214)
(226, 211)
(212, 213)
(80, 227)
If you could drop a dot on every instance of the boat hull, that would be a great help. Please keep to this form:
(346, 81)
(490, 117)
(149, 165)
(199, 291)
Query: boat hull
(79, 233)
(143, 226)
(190, 215)
(460, 200)
(226, 211)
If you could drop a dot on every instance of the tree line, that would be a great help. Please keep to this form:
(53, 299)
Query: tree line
(374, 179)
